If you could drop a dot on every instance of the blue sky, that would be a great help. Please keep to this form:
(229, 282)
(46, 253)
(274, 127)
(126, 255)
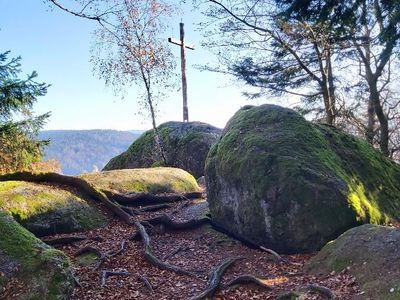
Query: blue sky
(57, 46)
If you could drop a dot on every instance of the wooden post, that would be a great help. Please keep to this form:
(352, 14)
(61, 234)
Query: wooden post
(182, 44)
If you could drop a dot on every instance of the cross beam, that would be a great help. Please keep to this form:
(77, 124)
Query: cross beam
(182, 44)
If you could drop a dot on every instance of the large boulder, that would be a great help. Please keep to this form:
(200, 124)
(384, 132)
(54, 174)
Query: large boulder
(29, 269)
(280, 181)
(155, 180)
(186, 147)
(371, 253)
(45, 209)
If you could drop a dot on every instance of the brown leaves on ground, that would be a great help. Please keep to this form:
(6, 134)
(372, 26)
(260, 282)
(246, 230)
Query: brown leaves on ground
(197, 250)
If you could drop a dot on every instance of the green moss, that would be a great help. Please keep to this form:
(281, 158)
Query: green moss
(370, 253)
(151, 180)
(45, 270)
(87, 259)
(305, 151)
(44, 209)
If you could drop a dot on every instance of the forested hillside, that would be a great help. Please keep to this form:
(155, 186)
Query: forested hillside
(85, 150)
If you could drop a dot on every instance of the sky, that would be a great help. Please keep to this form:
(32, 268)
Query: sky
(57, 45)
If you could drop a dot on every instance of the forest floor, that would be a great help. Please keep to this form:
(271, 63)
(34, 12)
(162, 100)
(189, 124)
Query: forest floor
(198, 250)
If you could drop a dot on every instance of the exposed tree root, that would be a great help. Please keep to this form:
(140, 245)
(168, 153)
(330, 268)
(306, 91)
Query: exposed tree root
(81, 185)
(322, 290)
(138, 211)
(64, 240)
(146, 282)
(105, 274)
(143, 199)
(152, 258)
(169, 223)
(243, 279)
(121, 249)
(278, 257)
(155, 207)
(175, 252)
(215, 279)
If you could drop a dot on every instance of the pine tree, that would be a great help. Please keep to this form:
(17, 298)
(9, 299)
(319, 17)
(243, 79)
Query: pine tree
(19, 146)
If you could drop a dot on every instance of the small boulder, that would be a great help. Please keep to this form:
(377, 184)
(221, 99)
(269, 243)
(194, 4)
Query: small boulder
(39, 271)
(186, 146)
(156, 180)
(282, 182)
(370, 253)
(45, 209)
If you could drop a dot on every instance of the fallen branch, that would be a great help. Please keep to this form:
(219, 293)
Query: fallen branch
(148, 252)
(106, 274)
(243, 279)
(142, 199)
(81, 185)
(215, 279)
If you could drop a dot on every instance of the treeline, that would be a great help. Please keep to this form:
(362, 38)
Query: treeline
(81, 151)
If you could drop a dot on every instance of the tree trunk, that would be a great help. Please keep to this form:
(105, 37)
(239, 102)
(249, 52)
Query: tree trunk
(382, 118)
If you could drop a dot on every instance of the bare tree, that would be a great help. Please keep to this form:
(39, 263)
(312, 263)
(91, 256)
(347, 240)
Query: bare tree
(130, 48)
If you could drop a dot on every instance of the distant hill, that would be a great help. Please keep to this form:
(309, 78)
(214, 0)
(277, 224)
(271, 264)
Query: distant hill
(81, 151)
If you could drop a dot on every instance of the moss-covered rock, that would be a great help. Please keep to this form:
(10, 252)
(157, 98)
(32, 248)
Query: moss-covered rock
(283, 182)
(186, 147)
(371, 253)
(44, 271)
(152, 180)
(44, 209)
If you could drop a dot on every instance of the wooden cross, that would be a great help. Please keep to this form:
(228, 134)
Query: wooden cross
(182, 44)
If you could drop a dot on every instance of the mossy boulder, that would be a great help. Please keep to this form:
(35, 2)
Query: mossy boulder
(147, 180)
(186, 146)
(44, 272)
(280, 181)
(45, 209)
(371, 253)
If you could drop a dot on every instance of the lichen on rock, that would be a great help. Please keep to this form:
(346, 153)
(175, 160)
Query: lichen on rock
(186, 146)
(280, 181)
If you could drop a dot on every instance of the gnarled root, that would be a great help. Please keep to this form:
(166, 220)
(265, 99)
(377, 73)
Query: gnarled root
(152, 258)
(244, 279)
(215, 279)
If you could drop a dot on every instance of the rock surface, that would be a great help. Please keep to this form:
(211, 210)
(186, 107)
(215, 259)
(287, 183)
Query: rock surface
(371, 253)
(186, 146)
(45, 210)
(280, 181)
(36, 270)
(152, 180)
